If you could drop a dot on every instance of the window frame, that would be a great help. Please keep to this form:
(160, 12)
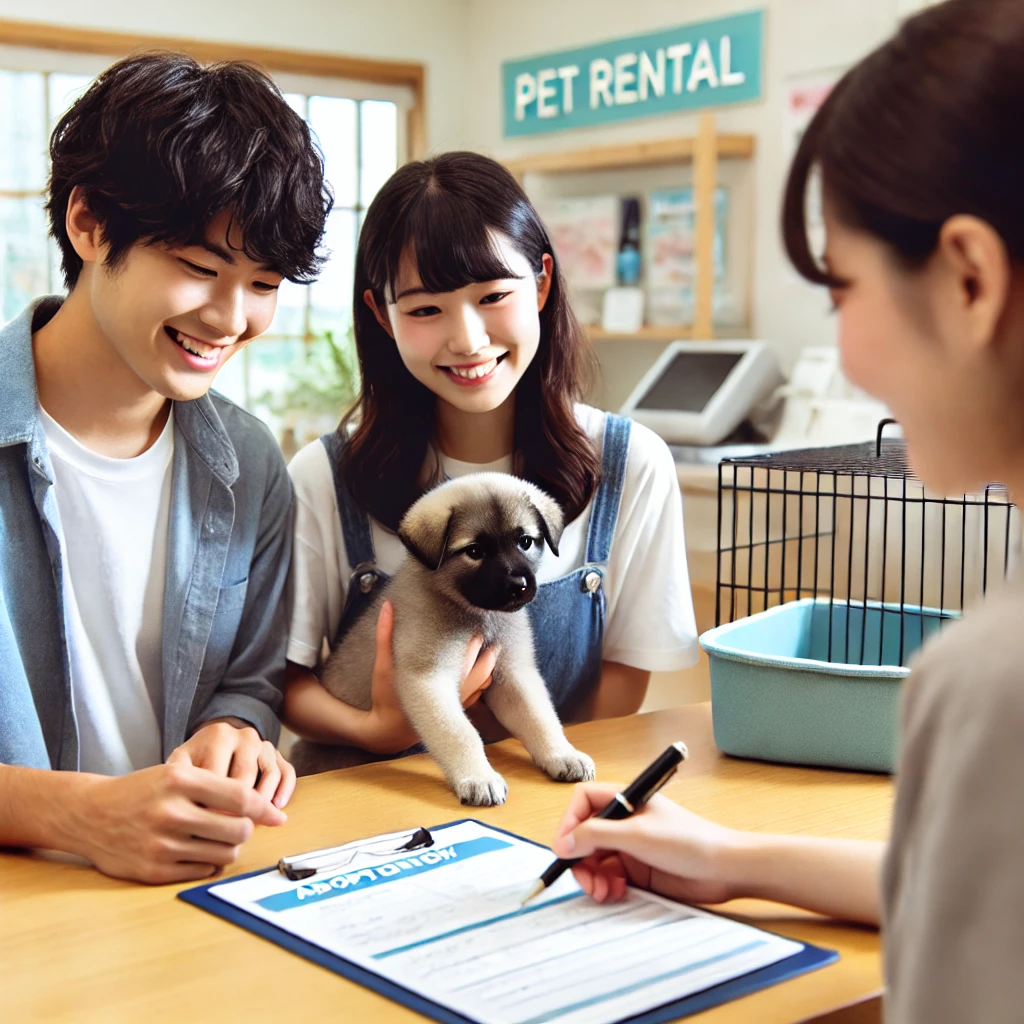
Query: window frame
(42, 36)
(291, 63)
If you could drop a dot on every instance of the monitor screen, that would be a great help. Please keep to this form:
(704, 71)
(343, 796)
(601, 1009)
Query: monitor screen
(689, 381)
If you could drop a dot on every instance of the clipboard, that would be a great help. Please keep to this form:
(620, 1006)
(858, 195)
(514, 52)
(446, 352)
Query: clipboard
(810, 958)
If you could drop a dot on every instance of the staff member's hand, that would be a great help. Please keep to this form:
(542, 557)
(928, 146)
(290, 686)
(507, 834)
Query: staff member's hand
(233, 749)
(663, 847)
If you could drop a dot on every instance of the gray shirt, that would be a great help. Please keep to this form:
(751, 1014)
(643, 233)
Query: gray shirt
(953, 882)
(225, 615)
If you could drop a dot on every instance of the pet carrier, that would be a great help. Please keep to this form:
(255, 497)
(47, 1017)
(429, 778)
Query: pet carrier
(834, 566)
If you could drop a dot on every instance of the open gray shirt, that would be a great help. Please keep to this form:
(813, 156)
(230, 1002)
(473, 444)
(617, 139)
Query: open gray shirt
(225, 618)
(953, 882)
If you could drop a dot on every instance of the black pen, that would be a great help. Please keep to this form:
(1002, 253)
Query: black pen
(628, 802)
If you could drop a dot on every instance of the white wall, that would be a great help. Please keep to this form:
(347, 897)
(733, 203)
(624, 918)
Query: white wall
(464, 42)
(801, 37)
(432, 32)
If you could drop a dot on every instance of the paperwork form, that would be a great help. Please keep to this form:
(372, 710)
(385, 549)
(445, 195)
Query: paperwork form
(446, 923)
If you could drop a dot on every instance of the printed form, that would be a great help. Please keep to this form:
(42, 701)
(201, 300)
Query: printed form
(446, 923)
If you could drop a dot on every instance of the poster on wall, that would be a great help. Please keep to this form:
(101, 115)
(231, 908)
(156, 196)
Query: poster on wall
(671, 254)
(804, 94)
(584, 231)
(585, 234)
(706, 64)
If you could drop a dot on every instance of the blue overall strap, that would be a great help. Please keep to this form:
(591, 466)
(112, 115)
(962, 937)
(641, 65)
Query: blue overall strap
(355, 524)
(605, 513)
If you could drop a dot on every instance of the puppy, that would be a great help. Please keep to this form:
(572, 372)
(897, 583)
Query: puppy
(473, 547)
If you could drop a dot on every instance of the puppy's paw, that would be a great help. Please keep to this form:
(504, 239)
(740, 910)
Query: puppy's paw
(570, 766)
(483, 791)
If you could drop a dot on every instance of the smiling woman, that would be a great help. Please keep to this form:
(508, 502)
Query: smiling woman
(469, 276)
(472, 361)
(470, 346)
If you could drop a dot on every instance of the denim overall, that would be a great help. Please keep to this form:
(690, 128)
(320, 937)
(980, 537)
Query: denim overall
(567, 615)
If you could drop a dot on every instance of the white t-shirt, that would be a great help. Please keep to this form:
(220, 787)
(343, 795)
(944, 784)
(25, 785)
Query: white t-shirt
(114, 516)
(649, 609)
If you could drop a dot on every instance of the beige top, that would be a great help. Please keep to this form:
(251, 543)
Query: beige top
(953, 882)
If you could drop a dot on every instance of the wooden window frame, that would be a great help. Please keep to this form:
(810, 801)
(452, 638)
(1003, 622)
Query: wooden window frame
(39, 35)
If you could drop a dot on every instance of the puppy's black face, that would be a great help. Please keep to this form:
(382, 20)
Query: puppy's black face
(497, 571)
(482, 537)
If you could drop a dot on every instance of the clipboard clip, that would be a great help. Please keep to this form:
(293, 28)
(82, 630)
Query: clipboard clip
(305, 865)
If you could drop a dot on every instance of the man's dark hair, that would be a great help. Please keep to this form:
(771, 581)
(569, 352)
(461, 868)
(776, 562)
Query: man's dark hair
(160, 145)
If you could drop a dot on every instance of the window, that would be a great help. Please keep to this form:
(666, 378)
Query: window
(360, 141)
(31, 103)
(366, 115)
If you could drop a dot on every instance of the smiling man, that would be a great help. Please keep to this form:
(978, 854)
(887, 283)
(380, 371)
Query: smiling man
(145, 524)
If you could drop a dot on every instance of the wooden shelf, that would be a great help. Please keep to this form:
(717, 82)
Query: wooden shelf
(682, 332)
(596, 158)
(703, 151)
(646, 333)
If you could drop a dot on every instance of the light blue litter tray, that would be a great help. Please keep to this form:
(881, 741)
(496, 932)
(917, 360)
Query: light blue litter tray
(777, 695)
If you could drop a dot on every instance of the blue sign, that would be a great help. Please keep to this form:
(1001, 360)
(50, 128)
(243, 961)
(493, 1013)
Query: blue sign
(709, 64)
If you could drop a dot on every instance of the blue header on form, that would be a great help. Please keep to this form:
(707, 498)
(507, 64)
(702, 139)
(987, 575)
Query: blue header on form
(366, 878)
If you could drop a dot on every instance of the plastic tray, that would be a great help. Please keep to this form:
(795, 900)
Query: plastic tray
(777, 695)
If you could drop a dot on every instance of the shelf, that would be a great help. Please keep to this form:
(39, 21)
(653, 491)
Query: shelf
(662, 151)
(703, 151)
(645, 333)
(681, 333)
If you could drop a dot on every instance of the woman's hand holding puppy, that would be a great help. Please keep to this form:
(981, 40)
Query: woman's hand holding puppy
(387, 730)
(315, 714)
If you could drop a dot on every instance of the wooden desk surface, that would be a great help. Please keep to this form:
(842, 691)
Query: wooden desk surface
(76, 946)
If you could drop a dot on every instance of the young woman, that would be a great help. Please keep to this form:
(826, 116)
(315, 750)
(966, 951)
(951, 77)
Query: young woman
(472, 360)
(921, 155)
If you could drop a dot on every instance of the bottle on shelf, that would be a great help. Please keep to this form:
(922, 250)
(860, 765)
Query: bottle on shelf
(628, 259)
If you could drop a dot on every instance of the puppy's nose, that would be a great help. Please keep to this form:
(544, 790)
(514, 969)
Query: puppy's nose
(517, 582)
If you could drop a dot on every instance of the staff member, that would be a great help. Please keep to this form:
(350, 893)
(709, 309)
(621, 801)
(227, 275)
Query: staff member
(921, 155)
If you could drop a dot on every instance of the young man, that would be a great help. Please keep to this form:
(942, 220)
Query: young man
(145, 525)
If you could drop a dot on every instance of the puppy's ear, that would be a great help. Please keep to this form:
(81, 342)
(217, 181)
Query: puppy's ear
(425, 534)
(550, 519)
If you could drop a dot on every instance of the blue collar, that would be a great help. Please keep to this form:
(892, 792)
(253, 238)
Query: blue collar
(197, 421)
(18, 398)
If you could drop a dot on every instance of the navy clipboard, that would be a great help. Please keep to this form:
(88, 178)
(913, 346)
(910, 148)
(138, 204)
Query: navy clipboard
(809, 959)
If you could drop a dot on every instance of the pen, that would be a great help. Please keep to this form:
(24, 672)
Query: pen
(628, 802)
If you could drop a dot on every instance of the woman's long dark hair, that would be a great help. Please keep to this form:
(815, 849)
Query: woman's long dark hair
(926, 127)
(445, 211)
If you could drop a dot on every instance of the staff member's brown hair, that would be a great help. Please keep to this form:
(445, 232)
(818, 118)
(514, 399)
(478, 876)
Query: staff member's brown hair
(926, 127)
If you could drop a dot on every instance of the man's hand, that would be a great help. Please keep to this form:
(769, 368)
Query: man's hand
(233, 749)
(168, 823)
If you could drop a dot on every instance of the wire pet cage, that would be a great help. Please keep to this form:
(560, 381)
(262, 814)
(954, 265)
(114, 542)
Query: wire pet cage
(834, 567)
(851, 527)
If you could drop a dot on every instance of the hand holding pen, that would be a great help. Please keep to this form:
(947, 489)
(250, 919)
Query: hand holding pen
(624, 804)
(666, 849)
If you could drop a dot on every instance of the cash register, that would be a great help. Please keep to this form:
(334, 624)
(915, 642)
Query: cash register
(719, 399)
